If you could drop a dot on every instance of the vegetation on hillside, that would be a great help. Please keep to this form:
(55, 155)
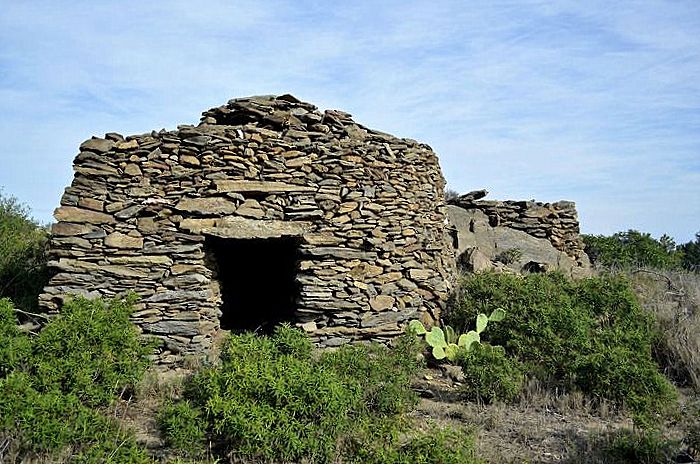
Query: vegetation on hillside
(23, 271)
(624, 250)
(590, 334)
(273, 399)
(270, 399)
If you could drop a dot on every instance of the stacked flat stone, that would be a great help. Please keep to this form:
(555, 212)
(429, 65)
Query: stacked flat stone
(367, 209)
(557, 222)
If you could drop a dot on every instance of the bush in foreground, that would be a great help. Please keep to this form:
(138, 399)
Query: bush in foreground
(92, 349)
(490, 375)
(625, 446)
(589, 334)
(51, 395)
(276, 399)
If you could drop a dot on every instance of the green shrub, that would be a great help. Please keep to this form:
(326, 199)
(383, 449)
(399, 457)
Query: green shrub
(91, 350)
(690, 254)
(509, 256)
(15, 346)
(49, 387)
(691, 417)
(624, 446)
(620, 365)
(489, 374)
(433, 446)
(23, 271)
(183, 428)
(590, 334)
(382, 376)
(638, 447)
(543, 326)
(274, 399)
(632, 249)
(53, 421)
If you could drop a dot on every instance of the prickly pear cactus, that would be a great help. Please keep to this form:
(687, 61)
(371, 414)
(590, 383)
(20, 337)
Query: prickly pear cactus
(447, 343)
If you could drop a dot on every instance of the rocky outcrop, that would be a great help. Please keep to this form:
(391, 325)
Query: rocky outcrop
(366, 209)
(518, 235)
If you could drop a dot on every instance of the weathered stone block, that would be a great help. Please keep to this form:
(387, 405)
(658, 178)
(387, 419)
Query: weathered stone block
(119, 240)
(80, 215)
(207, 205)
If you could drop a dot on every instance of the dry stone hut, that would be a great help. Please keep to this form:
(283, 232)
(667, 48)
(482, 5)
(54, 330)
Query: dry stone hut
(266, 211)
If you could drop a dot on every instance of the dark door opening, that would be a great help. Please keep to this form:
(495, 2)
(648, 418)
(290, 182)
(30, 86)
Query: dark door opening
(257, 281)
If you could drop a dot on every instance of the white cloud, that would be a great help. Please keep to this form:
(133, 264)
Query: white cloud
(528, 98)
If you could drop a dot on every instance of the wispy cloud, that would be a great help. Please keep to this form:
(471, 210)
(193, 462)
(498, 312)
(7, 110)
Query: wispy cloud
(530, 99)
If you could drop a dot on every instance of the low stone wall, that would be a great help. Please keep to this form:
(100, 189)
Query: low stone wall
(556, 222)
(366, 207)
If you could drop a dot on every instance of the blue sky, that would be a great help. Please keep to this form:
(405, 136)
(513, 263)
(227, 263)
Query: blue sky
(596, 102)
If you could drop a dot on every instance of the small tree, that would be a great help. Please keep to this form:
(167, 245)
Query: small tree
(632, 248)
(691, 254)
(23, 271)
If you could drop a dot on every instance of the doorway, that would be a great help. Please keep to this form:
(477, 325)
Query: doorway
(256, 279)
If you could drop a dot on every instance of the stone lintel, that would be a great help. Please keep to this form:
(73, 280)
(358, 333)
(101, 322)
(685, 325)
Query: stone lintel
(255, 186)
(243, 228)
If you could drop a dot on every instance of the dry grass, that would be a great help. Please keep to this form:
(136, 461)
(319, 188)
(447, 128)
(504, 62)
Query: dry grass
(542, 425)
(157, 387)
(674, 298)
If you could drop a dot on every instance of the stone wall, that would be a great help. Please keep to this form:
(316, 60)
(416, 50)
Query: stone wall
(485, 224)
(556, 222)
(366, 207)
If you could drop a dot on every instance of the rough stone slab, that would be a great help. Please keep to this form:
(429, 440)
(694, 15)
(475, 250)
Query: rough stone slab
(185, 280)
(129, 212)
(173, 327)
(253, 186)
(69, 229)
(100, 171)
(339, 252)
(382, 319)
(243, 228)
(178, 296)
(366, 270)
(119, 240)
(142, 260)
(124, 271)
(420, 274)
(132, 169)
(323, 238)
(75, 265)
(382, 302)
(207, 205)
(80, 215)
(91, 203)
(97, 145)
